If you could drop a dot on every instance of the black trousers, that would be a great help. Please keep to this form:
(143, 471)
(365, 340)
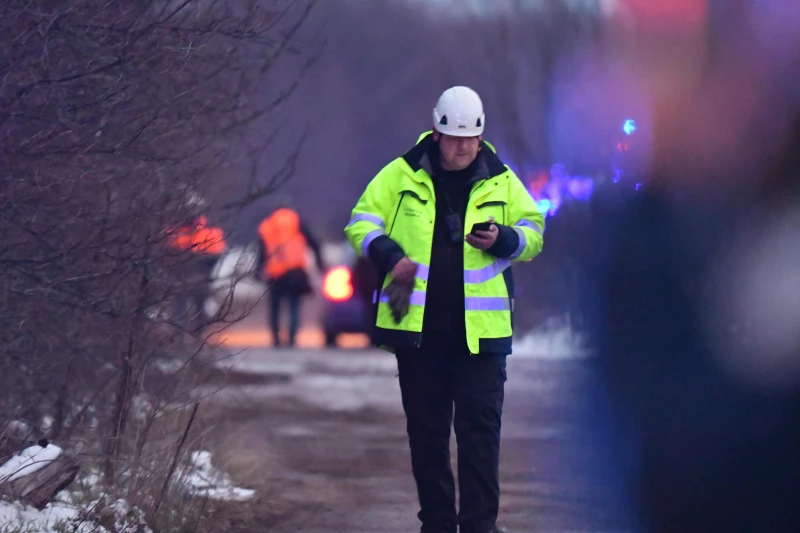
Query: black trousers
(289, 288)
(276, 298)
(434, 380)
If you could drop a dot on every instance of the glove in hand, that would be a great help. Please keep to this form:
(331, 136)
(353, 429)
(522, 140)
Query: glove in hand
(399, 299)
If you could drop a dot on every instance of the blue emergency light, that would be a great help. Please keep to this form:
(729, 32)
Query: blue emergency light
(629, 126)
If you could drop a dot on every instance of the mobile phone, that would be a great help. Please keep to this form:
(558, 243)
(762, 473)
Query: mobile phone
(481, 226)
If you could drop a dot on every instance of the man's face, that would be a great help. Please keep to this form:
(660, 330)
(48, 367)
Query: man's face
(458, 152)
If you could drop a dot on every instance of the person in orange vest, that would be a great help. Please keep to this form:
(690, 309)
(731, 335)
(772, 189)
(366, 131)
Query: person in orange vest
(205, 244)
(283, 264)
(199, 238)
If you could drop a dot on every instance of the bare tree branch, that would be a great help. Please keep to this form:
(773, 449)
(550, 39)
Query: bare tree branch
(112, 115)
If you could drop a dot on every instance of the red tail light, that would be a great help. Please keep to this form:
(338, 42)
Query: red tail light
(337, 285)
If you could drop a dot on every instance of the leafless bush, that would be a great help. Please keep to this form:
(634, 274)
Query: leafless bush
(111, 115)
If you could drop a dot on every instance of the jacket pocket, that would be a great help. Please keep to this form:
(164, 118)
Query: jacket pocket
(493, 208)
(491, 203)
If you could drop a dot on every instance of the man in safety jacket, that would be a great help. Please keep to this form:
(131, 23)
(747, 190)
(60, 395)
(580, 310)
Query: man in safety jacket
(447, 298)
(283, 264)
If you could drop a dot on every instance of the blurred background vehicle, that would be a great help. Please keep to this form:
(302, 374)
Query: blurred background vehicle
(348, 289)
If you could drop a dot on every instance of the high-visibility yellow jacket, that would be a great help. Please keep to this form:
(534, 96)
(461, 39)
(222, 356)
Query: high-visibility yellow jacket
(399, 203)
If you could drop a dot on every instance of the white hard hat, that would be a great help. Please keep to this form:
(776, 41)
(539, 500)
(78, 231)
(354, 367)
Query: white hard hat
(459, 113)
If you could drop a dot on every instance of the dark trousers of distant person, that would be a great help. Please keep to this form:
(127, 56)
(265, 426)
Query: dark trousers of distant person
(434, 379)
(289, 288)
(196, 275)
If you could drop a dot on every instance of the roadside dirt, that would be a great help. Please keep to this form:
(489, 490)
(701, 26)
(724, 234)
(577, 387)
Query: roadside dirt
(319, 470)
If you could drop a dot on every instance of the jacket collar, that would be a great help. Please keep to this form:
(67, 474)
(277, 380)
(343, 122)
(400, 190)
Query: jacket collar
(488, 165)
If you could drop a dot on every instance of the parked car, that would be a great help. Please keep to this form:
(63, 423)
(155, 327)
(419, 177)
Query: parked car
(348, 290)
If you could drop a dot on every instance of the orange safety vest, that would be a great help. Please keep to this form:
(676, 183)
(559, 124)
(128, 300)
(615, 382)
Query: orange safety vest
(200, 238)
(284, 244)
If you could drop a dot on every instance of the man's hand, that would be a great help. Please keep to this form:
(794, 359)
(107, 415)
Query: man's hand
(404, 271)
(483, 240)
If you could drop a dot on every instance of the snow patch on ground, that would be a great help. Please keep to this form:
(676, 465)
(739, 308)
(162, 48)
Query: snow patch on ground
(553, 341)
(47, 423)
(336, 380)
(249, 362)
(18, 517)
(201, 479)
(61, 516)
(198, 478)
(331, 393)
(126, 519)
(168, 366)
(28, 461)
(348, 393)
(351, 380)
(17, 429)
(296, 431)
(296, 362)
(142, 407)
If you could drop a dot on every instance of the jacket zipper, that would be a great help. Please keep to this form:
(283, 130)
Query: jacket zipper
(397, 212)
(418, 341)
(464, 258)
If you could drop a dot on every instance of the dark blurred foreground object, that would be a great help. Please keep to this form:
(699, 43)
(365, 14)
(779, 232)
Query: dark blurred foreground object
(705, 450)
